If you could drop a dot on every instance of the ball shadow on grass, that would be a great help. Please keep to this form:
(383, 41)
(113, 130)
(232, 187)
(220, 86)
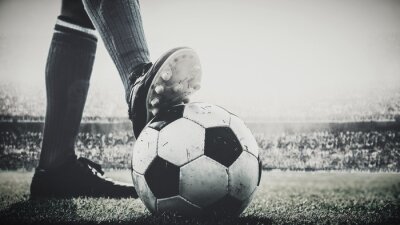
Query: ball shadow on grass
(171, 218)
(64, 211)
(46, 211)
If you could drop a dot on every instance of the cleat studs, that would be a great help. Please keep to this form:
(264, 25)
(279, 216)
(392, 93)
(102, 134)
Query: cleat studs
(166, 76)
(186, 100)
(155, 102)
(196, 68)
(159, 89)
(154, 111)
(178, 88)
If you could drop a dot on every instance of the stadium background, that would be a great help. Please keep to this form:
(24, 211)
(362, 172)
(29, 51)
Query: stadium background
(357, 139)
(318, 82)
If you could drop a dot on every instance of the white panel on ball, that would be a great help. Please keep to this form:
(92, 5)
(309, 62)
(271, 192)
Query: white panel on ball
(144, 150)
(243, 176)
(244, 135)
(181, 141)
(177, 204)
(203, 181)
(207, 115)
(144, 191)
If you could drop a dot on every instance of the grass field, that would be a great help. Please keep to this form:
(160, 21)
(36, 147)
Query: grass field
(282, 198)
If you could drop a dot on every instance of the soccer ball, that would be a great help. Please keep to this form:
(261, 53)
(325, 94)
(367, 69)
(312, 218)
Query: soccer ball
(196, 159)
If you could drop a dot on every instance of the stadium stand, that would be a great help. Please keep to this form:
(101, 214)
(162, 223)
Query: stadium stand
(348, 142)
(373, 150)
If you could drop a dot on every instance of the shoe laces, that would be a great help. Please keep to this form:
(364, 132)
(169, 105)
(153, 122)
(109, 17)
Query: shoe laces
(94, 167)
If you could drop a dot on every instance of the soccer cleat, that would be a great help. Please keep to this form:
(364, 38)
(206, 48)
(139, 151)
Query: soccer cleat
(171, 80)
(78, 178)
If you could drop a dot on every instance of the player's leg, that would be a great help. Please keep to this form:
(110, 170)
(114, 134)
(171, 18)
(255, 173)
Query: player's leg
(68, 70)
(149, 88)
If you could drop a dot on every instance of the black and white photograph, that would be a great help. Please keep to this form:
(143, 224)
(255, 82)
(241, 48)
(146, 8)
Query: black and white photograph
(199, 112)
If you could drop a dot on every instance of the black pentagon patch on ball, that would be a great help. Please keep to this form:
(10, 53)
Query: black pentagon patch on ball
(226, 206)
(163, 118)
(162, 178)
(222, 145)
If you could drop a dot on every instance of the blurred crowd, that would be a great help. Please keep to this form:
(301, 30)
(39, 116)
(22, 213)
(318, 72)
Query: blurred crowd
(366, 150)
(30, 105)
(372, 151)
(379, 104)
(23, 150)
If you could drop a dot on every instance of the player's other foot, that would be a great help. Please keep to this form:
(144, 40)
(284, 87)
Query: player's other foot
(170, 81)
(78, 178)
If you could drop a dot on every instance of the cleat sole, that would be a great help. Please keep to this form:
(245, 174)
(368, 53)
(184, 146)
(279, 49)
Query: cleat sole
(176, 80)
(177, 88)
(185, 100)
(196, 87)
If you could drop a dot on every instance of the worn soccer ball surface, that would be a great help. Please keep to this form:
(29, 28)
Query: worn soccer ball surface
(196, 159)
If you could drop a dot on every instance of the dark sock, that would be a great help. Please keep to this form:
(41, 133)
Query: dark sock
(120, 26)
(68, 70)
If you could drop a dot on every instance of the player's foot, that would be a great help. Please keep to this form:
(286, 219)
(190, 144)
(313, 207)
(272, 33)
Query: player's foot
(170, 81)
(78, 178)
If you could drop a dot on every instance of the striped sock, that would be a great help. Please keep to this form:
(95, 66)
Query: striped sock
(68, 70)
(120, 26)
